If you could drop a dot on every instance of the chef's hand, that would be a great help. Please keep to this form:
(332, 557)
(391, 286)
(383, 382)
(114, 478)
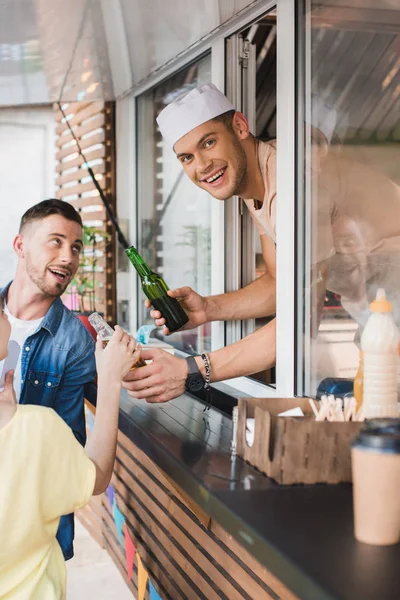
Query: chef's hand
(8, 394)
(194, 305)
(161, 380)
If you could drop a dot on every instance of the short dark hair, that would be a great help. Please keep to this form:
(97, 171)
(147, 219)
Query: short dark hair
(226, 118)
(50, 207)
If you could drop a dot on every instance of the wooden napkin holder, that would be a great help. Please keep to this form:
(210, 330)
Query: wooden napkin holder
(293, 450)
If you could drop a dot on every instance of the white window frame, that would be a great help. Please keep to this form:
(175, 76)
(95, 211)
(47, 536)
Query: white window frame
(304, 303)
(218, 238)
(127, 282)
(286, 304)
(285, 207)
(240, 265)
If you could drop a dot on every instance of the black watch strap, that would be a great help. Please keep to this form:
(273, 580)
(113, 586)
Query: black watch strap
(192, 365)
(195, 380)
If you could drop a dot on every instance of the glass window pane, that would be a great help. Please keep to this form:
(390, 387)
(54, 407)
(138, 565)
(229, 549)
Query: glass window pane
(160, 30)
(258, 103)
(265, 41)
(174, 220)
(351, 180)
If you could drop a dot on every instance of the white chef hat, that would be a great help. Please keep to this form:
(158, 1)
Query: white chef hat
(197, 107)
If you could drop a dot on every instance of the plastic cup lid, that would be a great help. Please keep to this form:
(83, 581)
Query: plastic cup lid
(380, 434)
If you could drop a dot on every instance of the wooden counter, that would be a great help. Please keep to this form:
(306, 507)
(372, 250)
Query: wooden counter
(212, 528)
(186, 553)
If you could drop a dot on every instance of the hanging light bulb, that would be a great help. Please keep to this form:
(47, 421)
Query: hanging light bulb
(85, 76)
(92, 87)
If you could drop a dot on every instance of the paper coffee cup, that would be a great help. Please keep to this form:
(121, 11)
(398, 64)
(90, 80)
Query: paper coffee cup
(376, 482)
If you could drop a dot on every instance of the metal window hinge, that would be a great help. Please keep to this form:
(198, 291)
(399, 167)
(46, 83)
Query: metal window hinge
(244, 54)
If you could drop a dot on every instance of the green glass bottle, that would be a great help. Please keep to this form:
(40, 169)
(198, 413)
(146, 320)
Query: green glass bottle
(156, 289)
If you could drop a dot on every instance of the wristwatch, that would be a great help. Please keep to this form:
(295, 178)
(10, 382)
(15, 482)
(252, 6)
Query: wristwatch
(194, 381)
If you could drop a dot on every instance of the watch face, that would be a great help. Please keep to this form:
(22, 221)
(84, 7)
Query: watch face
(194, 382)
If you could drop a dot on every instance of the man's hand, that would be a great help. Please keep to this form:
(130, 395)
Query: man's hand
(162, 380)
(8, 394)
(194, 305)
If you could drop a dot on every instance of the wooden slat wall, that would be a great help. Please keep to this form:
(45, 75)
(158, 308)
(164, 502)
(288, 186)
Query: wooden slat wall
(93, 125)
(187, 557)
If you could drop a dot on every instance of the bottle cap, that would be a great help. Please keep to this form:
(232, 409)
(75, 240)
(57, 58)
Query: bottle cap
(104, 331)
(381, 303)
(382, 435)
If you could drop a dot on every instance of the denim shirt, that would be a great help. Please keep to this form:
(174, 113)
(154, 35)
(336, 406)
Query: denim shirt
(57, 361)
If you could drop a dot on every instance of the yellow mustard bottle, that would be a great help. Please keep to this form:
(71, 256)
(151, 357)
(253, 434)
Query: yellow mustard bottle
(379, 343)
(358, 390)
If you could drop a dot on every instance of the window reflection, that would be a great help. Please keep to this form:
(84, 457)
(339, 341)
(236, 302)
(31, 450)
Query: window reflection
(174, 223)
(352, 179)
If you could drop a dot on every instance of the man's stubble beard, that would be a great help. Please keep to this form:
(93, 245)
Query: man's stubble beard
(39, 281)
(240, 162)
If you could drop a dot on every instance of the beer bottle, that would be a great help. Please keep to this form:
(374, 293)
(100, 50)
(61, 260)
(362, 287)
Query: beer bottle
(155, 288)
(105, 333)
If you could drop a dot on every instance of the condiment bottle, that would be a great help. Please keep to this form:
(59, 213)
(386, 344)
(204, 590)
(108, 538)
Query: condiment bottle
(379, 343)
(358, 390)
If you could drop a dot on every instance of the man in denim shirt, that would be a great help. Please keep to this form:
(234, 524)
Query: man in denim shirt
(55, 361)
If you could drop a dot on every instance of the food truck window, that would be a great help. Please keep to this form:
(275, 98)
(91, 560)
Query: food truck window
(349, 157)
(174, 216)
(251, 84)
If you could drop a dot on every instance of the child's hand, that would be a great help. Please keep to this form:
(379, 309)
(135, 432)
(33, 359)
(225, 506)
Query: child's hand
(8, 394)
(114, 362)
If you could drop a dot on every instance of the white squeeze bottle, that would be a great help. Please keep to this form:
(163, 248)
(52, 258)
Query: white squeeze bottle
(379, 343)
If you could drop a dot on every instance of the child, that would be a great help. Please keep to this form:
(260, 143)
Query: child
(45, 473)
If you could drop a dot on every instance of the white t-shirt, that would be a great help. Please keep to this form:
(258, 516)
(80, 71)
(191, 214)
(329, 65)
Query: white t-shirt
(264, 218)
(20, 331)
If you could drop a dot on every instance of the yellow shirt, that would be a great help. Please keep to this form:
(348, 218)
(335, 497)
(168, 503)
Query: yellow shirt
(44, 473)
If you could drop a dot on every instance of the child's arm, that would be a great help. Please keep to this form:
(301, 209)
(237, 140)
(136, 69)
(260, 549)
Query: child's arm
(113, 363)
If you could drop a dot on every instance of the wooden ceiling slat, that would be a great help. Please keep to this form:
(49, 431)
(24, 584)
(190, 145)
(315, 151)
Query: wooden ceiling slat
(79, 174)
(76, 162)
(97, 122)
(97, 138)
(94, 216)
(72, 109)
(81, 202)
(79, 189)
(92, 125)
(91, 109)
